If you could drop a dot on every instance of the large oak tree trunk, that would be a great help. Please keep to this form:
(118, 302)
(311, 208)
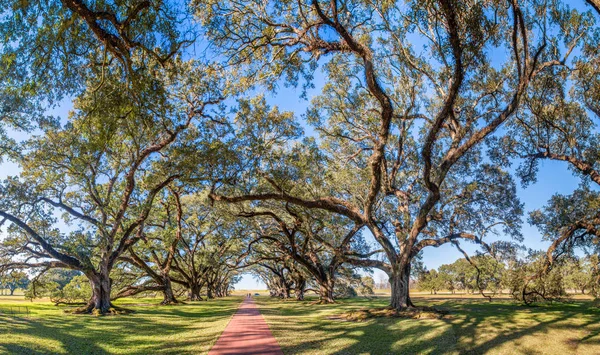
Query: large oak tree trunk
(300, 287)
(326, 291)
(399, 281)
(168, 295)
(194, 293)
(101, 287)
(284, 292)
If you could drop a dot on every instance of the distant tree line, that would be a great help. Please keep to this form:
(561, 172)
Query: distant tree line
(491, 277)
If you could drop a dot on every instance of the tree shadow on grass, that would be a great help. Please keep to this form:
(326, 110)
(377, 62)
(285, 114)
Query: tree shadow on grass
(474, 327)
(151, 330)
(305, 329)
(509, 322)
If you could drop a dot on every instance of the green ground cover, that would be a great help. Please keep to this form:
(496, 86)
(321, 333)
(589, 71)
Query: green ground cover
(187, 329)
(473, 326)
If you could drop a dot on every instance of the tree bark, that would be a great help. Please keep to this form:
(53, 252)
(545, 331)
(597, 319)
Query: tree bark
(300, 286)
(194, 293)
(101, 287)
(285, 292)
(399, 281)
(168, 295)
(326, 291)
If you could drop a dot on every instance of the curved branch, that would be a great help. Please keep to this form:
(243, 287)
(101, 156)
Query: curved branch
(67, 260)
(331, 204)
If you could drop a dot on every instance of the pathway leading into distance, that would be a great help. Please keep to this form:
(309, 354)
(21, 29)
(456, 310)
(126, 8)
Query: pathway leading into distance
(246, 334)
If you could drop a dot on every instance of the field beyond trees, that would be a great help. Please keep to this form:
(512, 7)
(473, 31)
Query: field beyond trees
(473, 325)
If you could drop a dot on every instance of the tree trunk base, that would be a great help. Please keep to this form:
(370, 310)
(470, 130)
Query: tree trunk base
(170, 302)
(399, 284)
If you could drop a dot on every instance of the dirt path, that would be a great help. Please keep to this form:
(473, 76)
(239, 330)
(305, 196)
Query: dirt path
(246, 334)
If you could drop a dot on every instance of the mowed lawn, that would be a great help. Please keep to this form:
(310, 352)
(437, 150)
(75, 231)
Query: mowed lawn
(185, 329)
(473, 326)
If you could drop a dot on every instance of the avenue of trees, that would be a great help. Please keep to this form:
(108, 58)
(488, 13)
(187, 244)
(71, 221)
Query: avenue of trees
(175, 170)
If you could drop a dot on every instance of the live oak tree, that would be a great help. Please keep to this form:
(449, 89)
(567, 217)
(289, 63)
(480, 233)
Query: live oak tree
(480, 273)
(210, 250)
(547, 285)
(159, 243)
(561, 124)
(579, 274)
(432, 281)
(281, 276)
(316, 241)
(103, 170)
(412, 91)
(121, 62)
(49, 48)
(13, 280)
(276, 268)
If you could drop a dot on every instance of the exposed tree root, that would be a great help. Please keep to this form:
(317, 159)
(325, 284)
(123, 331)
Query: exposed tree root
(113, 310)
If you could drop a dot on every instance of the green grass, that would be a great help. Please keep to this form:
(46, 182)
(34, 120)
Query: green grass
(186, 329)
(473, 326)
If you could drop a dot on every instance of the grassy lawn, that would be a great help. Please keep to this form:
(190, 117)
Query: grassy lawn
(473, 326)
(187, 329)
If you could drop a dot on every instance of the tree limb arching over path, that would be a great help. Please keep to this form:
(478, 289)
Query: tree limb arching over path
(411, 188)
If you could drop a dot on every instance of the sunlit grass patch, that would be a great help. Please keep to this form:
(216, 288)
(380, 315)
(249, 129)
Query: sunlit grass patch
(472, 326)
(153, 329)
